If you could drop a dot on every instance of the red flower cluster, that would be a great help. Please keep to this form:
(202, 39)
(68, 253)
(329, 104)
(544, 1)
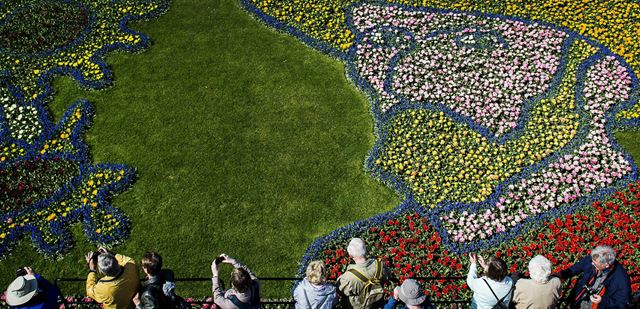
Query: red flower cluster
(411, 248)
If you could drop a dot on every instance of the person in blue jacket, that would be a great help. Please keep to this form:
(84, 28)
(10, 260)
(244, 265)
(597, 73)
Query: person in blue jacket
(604, 282)
(31, 291)
(313, 292)
(409, 295)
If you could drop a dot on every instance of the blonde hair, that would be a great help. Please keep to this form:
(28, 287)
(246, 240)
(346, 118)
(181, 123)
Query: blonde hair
(315, 272)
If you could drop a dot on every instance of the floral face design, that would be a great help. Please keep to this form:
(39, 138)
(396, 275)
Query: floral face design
(495, 123)
(496, 129)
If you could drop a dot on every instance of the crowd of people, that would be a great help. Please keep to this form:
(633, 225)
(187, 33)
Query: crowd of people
(603, 283)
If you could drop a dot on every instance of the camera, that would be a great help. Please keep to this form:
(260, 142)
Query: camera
(94, 255)
(21, 272)
(591, 291)
(219, 260)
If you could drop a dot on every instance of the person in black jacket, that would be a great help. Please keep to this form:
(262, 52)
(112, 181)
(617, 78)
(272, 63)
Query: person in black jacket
(158, 292)
(604, 281)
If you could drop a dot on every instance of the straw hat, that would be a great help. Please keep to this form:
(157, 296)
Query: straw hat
(411, 293)
(21, 290)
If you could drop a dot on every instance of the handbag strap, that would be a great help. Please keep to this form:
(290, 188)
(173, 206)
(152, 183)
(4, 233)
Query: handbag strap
(494, 294)
(306, 297)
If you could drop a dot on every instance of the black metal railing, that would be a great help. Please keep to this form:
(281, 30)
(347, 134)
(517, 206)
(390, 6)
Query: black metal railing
(271, 302)
(288, 302)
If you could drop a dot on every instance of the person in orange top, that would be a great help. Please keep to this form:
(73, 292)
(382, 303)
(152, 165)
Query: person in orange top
(121, 282)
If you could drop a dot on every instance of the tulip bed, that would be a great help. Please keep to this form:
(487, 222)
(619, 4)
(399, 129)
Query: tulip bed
(495, 129)
(322, 23)
(47, 180)
(411, 247)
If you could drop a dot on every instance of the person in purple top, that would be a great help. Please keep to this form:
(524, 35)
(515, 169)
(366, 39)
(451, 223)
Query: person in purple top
(31, 291)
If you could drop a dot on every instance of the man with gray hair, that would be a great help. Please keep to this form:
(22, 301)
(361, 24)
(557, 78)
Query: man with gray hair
(360, 283)
(541, 291)
(121, 282)
(604, 282)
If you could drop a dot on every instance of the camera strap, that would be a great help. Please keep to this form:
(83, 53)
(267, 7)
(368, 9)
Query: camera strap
(591, 282)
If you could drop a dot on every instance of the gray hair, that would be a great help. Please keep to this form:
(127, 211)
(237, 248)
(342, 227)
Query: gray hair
(603, 255)
(108, 264)
(357, 248)
(540, 268)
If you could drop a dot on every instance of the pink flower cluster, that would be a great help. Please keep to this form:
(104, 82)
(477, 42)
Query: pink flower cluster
(485, 70)
(593, 165)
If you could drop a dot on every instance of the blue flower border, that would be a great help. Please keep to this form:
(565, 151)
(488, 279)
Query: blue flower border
(359, 227)
(60, 226)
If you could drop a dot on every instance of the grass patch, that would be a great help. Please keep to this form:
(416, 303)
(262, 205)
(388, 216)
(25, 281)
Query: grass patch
(245, 142)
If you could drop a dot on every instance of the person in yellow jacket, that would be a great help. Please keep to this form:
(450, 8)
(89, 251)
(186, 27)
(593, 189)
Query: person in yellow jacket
(119, 285)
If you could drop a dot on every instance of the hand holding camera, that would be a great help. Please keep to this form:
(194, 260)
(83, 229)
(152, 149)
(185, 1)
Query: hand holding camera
(214, 265)
(23, 271)
(92, 257)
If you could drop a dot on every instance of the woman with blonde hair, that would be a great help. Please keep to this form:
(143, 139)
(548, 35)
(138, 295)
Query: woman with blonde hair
(313, 292)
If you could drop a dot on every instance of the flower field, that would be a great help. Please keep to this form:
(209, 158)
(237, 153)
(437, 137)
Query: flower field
(495, 123)
(47, 180)
(410, 246)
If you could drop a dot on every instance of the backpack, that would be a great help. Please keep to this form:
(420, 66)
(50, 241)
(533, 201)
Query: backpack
(499, 304)
(372, 294)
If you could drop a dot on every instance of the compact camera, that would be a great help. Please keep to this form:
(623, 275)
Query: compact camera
(21, 272)
(591, 291)
(219, 260)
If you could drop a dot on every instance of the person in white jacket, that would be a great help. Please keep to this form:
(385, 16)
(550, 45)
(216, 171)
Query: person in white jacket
(313, 292)
(495, 286)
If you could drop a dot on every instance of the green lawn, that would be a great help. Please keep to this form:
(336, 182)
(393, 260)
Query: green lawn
(245, 141)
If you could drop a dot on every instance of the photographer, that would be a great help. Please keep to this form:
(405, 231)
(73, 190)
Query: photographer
(245, 291)
(120, 283)
(604, 282)
(31, 291)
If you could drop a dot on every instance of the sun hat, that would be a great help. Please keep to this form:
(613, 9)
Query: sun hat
(411, 293)
(21, 290)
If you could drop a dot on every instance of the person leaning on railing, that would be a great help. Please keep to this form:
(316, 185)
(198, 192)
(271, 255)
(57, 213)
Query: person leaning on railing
(245, 287)
(120, 283)
(158, 291)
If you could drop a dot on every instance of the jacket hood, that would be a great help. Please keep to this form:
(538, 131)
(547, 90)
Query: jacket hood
(320, 291)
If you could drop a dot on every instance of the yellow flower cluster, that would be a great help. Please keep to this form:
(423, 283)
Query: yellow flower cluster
(440, 159)
(320, 19)
(61, 140)
(85, 195)
(10, 151)
(614, 23)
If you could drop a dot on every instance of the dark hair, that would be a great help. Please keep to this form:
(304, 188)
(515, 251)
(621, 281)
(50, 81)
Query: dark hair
(152, 263)
(496, 269)
(241, 280)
